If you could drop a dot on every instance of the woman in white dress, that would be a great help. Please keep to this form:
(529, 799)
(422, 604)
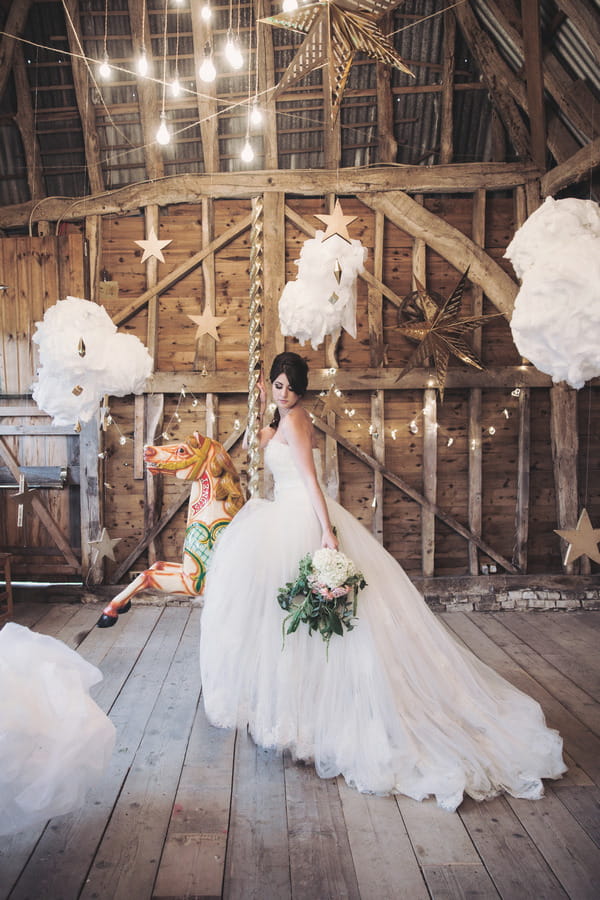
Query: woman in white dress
(397, 705)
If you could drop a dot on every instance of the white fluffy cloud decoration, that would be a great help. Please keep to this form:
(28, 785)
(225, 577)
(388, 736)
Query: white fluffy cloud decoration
(113, 363)
(308, 308)
(556, 319)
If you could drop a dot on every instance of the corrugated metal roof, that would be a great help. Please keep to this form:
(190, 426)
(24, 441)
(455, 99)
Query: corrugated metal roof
(417, 27)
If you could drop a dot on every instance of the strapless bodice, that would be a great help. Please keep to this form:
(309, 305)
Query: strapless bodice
(279, 460)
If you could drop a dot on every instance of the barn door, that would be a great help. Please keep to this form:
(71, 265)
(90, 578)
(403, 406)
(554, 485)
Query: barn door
(41, 529)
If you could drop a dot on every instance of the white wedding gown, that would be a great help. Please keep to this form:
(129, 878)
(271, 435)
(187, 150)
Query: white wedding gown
(397, 706)
(55, 741)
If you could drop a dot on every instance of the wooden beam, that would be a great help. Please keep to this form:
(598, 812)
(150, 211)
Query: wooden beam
(205, 357)
(274, 274)
(378, 446)
(447, 121)
(450, 243)
(206, 92)
(93, 239)
(90, 499)
(87, 111)
(475, 453)
(14, 25)
(375, 297)
(152, 223)
(572, 170)
(25, 120)
(523, 474)
(503, 377)
(154, 406)
(394, 479)
(265, 62)
(149, 110)
(504, 86)
(429, 481)
(532, 40)
(565, 448)
(387, 145)
(459, 177)
(179, 271)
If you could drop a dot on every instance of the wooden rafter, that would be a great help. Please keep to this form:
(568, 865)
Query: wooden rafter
(207, 101)
(26, 125)
(463, 177)
(572, 170)
(14, 25)
(265, 61)
(86, 108)
(450, 243)
(149, 109)
(535, 82)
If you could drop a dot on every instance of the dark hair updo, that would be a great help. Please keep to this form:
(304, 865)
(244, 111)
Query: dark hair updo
(294, 367)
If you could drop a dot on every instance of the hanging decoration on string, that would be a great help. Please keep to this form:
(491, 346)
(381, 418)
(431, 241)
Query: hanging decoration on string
(335, 32)
(153, 247)
(556, 319)
(322, 299)
(583, 540)
(207, 323)
(433, 322)
(82, 358)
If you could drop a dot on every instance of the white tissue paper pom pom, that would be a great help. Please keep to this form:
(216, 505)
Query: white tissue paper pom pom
(110, 363)
(556, 319)
(315, 304)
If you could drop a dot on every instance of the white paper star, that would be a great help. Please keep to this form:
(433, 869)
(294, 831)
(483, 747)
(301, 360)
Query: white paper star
(207, 323)
(583, 540)
(337, 223)
(104, 546)
(153, 247)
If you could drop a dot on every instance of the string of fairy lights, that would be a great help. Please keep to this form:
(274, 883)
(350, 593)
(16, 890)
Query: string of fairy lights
(344, 409)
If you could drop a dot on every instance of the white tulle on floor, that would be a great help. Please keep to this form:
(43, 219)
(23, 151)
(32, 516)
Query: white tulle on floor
(54, 739)
(398, 705)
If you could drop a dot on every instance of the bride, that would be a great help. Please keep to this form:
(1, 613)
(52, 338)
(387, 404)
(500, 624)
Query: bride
(397, 705)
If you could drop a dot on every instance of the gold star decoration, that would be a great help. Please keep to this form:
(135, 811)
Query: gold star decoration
(104, 546)
(332, 401)
(335, 31)
(583, 540)
(152, 247)
(207, 323)
(440, 331)
(337, 223)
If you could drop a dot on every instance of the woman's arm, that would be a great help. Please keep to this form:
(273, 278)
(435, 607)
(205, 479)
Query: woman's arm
(297, 430)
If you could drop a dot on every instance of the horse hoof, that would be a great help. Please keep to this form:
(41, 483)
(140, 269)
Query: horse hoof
(107, 621)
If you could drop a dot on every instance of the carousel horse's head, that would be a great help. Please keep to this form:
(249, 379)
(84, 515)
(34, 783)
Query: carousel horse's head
(196, 458)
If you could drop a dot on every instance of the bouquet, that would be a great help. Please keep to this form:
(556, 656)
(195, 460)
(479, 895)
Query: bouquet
(324, 594)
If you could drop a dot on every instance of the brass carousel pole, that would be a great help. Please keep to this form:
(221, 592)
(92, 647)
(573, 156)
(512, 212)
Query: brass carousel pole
(254, 343)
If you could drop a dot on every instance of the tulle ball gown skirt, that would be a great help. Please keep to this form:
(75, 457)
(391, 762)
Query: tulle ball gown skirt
(396, 706)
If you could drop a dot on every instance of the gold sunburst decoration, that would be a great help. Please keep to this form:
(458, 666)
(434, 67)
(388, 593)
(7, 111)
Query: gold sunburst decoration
(433, 322)
(336, 30)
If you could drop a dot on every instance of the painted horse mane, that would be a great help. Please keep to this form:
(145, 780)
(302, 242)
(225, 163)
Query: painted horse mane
(215, 497)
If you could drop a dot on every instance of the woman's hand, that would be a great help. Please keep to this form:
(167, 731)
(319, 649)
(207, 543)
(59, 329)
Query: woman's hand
(329, 540)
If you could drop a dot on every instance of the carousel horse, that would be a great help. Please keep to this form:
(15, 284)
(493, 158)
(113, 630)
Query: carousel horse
(216, 496)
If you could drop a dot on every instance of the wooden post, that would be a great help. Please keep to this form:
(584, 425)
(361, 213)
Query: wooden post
(152, 222)
(522, 510)
(378, 444)
(274, 274)
(375, 298)
(92, 517)
(565, 446)
(154, 405)
(475, 450)
(429, 480)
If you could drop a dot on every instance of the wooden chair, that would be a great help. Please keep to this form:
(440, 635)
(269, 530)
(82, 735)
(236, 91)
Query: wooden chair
(6, 597)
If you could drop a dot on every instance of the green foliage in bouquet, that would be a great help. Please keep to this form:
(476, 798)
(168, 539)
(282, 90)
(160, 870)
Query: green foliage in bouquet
(324, 595)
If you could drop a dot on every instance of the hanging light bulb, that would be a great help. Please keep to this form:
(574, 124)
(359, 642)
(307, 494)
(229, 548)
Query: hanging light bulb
(207, 71)
(175, 87)
(247, 154)
(233, 54)
(104, 71)
(163, 135)
(289, 5)
(256, 115)
(142, 64)
(206, 12)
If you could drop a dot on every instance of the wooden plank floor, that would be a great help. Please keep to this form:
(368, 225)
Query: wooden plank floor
(186, 810)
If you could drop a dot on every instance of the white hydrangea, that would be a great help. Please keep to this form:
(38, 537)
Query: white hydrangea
(332, 568)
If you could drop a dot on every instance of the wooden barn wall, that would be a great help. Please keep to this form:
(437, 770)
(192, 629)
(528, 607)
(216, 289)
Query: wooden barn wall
(123, 278)
(38, 272)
